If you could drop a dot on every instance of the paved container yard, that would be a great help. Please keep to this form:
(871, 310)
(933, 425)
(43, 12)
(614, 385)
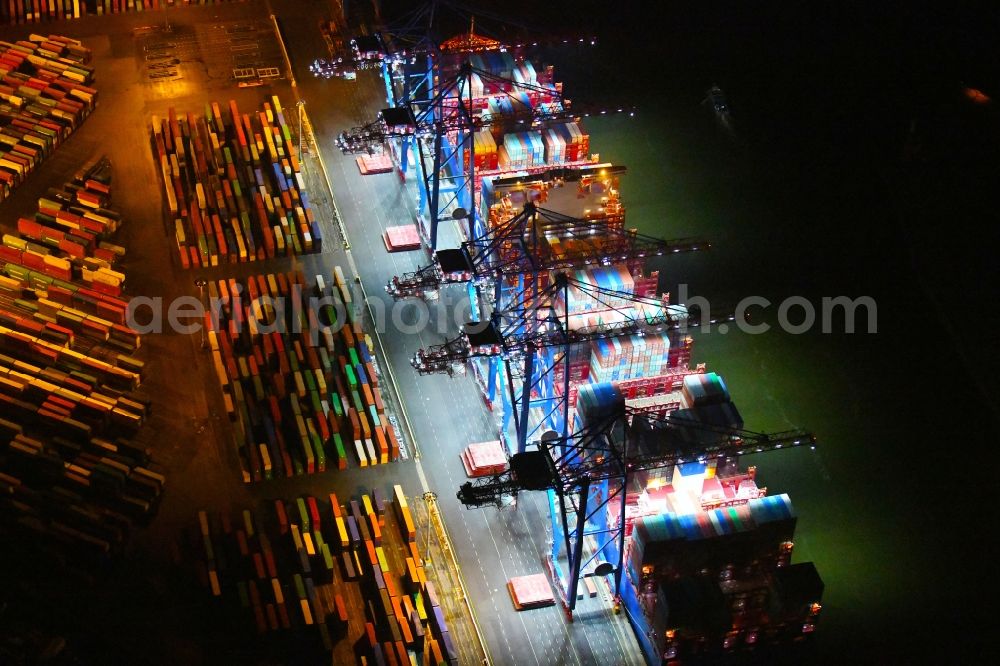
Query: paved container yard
(145, 64)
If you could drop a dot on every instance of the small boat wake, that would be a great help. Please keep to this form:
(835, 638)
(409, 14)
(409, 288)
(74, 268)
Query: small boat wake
(720, 106)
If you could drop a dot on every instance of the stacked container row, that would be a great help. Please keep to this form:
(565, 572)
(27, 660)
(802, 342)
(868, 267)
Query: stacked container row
(516, 103)
(631, 357)
(348, 575)
(67, 237)
(582, 295)
(484, 151)
(234, 186)
(521, 150)
(38, 11)
(653, 536)
(44, 96)
(574, 142)
(71, 475)
(84, 495)
(298, 377)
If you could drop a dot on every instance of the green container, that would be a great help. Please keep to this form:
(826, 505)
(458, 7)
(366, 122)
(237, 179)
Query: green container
(338, 444)
(30, 305)
(209, 550)
(308, 452)
(248, 522)
(319, 452)
(131, 364)
(241, 589)
(303, 514)
(238, 393)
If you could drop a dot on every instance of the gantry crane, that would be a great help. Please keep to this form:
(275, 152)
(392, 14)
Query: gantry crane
(525, 334)
(519, 247)
(444, 126)
(585, 471)
(438, 102)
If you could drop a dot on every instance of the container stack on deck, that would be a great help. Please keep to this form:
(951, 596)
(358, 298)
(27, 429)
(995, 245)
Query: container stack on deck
(649, 369)
(298, 376)
(233, 185)
(45, 95)
(69, 472)
(349, 576)
(707, 551)
(716, 580)
(39, 11)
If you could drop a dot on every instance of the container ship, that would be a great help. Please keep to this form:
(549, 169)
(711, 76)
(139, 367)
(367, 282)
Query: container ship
(585, 365)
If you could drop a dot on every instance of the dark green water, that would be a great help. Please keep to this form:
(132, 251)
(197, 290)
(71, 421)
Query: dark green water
(854, 503)
(810, 196)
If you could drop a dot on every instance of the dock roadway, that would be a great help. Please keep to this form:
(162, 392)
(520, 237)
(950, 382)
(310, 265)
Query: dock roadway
(445, 413)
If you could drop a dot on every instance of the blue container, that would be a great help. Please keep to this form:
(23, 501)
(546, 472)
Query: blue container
(692, 468)
(279, 176)
(317, 236)
(352, 528)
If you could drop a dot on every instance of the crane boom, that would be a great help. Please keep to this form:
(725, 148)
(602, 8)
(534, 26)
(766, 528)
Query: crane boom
(601, 452)
(453, 108)
(536, 322)
(520, 247)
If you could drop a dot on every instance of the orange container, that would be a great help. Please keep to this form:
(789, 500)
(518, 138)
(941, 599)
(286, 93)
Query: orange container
(382, 444)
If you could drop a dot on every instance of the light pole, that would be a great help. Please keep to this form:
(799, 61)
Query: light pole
(301, 103)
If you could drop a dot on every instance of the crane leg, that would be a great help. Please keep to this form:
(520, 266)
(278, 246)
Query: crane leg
(577, 555)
